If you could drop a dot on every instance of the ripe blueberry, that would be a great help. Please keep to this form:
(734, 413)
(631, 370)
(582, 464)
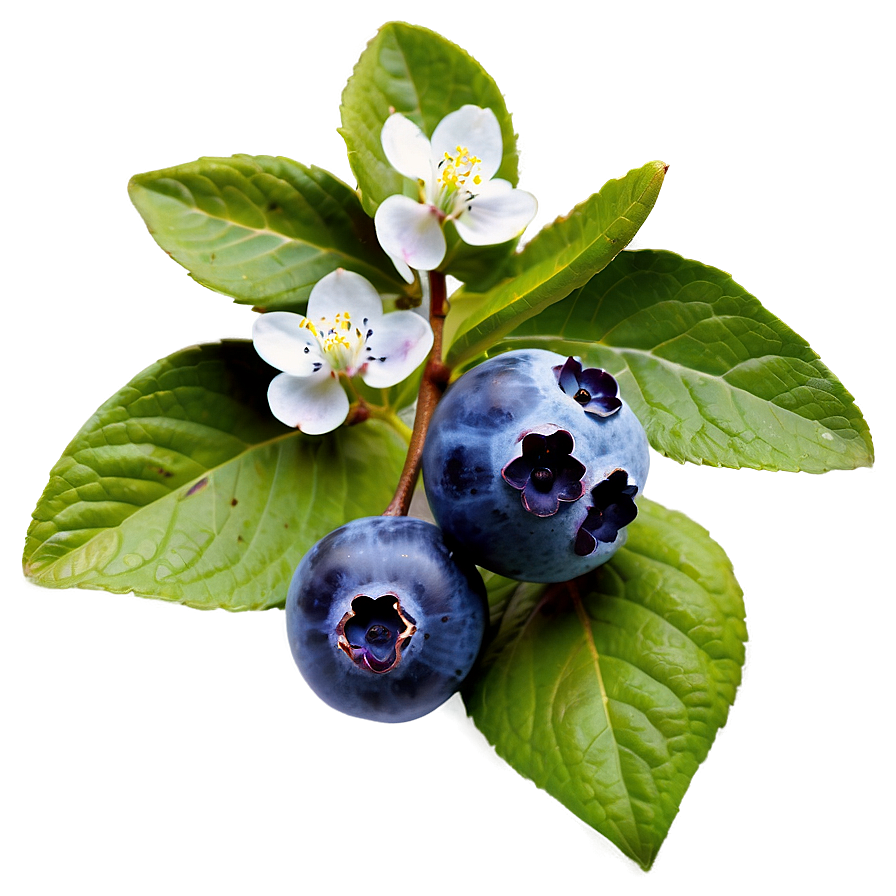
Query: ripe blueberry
(532, 464)
(384, 620)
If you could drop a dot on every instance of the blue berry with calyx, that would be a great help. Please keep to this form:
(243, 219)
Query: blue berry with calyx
(532, 464)
(384, 619)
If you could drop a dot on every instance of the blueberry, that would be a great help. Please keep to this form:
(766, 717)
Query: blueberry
(532, 464)
(384, 620)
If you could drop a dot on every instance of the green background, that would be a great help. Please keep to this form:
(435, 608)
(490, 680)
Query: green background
(142, 735)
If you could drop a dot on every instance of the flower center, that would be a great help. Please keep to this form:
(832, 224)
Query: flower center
(342, 343)
(460, 172)
(543, 479)
(373, 633)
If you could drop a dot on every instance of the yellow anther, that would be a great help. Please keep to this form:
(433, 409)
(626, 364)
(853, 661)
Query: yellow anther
(456, 169)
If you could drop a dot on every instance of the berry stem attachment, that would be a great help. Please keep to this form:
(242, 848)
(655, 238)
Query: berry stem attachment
(432, 385)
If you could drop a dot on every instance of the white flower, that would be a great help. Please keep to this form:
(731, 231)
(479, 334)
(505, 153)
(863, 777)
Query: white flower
(456, 173)
(344, 334)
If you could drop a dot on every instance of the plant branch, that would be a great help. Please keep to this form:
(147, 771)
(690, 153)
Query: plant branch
(432, 385)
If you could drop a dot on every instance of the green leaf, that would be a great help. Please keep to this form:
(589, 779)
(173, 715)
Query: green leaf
(608, 692)
(714, 377)
(559, 259)
(416, 72)
(183, 487)
(499, 590)
(261, 229)
(478, 267)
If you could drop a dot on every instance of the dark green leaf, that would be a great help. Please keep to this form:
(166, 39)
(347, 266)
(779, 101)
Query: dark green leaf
(183, 487)
(416, 72)
(559, 259)
(608, 692)
(261, 229)
(712, 375)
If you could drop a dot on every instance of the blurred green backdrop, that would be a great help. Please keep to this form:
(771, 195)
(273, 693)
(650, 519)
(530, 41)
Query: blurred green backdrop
(152, 748)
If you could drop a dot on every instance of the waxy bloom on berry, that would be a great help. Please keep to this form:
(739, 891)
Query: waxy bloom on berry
(345, 334)
(455, 171)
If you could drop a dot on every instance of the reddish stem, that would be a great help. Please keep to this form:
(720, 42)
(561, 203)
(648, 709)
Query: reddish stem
(432, 385)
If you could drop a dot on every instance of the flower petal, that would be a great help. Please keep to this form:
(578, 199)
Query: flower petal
(534, 444)
(585, 542)
(400, 342)
(620, 515)
(598, 382)
(312, 404)
(568, 376)
(603, 406)
(406, 147)
(569, 486)
(410, 233)
(540, 503)
(497, 214)
(516, 474)
(475, 129)
(346, 293)
(559, 443)
(284, 341)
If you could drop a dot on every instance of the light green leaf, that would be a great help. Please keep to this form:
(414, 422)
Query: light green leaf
(416, 72)
(499, 590)
(609, 691)
(714, 377)
(183, 487)
(261, 229)
(559, 259)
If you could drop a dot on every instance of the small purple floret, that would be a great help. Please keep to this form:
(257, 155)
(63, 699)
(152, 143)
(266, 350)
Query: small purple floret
(595, 389)
(546, 473)
(614, 508)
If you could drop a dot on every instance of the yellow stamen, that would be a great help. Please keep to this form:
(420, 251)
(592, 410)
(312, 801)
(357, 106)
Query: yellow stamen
(457, 169)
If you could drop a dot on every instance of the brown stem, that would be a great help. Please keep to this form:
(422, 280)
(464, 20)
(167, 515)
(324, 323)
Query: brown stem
(432, 385)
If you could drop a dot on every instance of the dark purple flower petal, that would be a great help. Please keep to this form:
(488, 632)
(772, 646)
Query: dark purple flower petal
(569, 486)
(585, 543)
(598, 382)
(558, 443)
(568, 376)
(538, 502)
(574, 467)
(533, 443)
(610, 490)
(517, 472)
(620, 515)
(603, 406)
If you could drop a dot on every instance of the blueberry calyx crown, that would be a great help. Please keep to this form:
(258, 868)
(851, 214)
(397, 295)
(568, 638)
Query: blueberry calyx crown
(614, 508)
(546, 473)
(374, 632)
(593, 388)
